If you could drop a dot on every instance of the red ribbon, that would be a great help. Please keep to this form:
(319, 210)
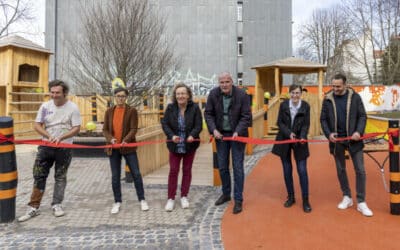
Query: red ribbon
(248, 140)
(263, 141)
(394, 133)
(4, 138)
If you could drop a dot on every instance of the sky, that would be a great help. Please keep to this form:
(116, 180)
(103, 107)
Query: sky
(301, 11)
(35, 29)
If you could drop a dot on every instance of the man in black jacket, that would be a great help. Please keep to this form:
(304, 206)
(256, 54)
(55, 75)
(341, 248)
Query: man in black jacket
(343, 115)
(228, 114)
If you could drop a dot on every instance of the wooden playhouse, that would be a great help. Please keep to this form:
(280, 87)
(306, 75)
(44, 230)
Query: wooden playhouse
(24, 72)
(269, 78)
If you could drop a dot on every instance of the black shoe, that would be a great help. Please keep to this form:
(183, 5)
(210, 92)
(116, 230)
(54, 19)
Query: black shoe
(306, 205)
(290, 201)
(237, 208)
(222, 199)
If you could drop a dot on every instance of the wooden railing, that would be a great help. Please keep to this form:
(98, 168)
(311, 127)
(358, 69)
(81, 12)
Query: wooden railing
(258, 124)
(102, 105)
(148, 118)
(273, 110)
(152, 156)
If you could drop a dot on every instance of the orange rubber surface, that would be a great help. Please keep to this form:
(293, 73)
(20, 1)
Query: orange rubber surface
(265, 224)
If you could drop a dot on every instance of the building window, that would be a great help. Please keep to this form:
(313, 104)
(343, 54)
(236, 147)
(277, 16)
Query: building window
(240, 78)
(240, 46)
(240, 11)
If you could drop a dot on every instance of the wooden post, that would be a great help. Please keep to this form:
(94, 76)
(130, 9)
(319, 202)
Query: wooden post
(320, 83)
(217, 177)
(394, 168)
(94, 107)
(277, 85)
(8, 171)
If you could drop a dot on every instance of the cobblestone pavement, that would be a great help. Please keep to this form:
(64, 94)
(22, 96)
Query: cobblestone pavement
(88, 223)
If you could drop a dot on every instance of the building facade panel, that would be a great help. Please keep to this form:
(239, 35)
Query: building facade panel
(206, 33)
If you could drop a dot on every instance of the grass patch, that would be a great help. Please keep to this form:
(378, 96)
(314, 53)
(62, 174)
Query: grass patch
(391, 114)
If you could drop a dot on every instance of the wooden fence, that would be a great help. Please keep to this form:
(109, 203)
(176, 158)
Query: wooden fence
(147, 118)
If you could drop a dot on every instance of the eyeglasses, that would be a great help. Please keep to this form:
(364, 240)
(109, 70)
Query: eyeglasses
(120, 96)
(295, 93)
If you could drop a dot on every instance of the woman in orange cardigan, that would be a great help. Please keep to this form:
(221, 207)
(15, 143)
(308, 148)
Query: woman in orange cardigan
(120, 126)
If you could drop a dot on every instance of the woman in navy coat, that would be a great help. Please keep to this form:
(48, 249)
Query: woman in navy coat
(182, 124)
(294, 123)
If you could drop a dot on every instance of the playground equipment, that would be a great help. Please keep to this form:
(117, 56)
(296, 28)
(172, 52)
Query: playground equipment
(269, 78)
(23, 81)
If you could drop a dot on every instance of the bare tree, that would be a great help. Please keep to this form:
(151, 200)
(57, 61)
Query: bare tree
(13, 12)
(321, 37)
(389, 19)
(390, 66)
(125, 39)
(373, 23)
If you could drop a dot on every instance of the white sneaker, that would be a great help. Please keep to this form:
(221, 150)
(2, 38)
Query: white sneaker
(363, 208)
(115, 207)
(345, 203)
(30, 213)
(170, 205)
(144, 206)
(184, 202)
(58, 210)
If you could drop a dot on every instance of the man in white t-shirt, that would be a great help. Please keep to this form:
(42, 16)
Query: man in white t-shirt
(57, 120)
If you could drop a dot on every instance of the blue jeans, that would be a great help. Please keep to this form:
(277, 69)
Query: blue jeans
(223, 152)
(288, 174)
(133, 164)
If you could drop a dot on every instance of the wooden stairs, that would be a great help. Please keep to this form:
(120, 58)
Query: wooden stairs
(272, 132)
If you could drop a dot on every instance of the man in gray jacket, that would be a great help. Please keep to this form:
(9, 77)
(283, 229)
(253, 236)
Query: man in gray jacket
(228, 114)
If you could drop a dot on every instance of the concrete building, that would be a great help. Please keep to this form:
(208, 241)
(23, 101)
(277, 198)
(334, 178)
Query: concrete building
(211, 36)
(359, 60)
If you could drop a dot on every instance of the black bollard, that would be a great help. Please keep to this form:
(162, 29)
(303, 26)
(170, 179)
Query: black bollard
(266, 100)
(128, 175)
(8, 171)
(216, 175)
(394, 168)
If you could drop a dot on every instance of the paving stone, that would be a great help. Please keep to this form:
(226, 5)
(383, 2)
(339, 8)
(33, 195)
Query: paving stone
(88, 223)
